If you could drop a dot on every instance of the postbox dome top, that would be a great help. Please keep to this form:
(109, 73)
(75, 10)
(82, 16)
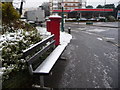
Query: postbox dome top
(55, 16)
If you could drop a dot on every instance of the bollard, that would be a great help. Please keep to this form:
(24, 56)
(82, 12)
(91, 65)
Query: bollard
(69, 30)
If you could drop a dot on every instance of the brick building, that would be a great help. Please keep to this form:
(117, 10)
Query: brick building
(67, 4)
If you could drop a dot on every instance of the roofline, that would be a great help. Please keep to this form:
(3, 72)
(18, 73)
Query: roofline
(85, 10)
(108, 10)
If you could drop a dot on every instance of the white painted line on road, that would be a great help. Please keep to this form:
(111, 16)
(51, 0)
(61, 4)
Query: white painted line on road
(82, 29)
(96, 30)
(107, 38)
(100, 39)
(88, 33)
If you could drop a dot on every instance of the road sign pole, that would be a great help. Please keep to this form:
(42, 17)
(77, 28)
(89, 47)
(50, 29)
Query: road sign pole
(62, 22)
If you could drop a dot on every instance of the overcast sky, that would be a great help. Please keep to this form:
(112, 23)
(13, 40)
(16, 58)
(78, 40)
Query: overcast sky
(102, 2)
(36, 3)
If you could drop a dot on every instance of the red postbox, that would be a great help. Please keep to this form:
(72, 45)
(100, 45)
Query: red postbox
(48, 25)
(55, 27)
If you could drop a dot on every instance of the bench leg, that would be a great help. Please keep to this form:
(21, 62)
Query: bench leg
(42, 84)
(42, 81)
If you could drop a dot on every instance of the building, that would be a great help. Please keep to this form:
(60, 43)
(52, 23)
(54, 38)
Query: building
(76, 9)
(85, 12)
(72, 4)
(67, 4)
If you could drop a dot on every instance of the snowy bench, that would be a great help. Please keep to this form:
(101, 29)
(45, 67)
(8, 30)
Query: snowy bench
(46, 66)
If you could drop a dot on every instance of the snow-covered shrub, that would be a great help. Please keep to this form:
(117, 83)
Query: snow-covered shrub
(111, 18)
(12, 46)
(16, 25)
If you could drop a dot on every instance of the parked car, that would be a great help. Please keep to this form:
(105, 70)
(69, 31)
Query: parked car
(92, 19)
(101, 19)
(82, 19)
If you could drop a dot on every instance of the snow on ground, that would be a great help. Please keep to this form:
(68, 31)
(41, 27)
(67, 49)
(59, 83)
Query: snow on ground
(65, 38)
(43, 32)
(56, 15)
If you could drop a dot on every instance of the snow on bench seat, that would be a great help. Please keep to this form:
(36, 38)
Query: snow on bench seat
(46, 66)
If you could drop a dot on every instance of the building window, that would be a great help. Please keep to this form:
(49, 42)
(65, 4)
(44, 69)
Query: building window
(66, 8)
(66, 4)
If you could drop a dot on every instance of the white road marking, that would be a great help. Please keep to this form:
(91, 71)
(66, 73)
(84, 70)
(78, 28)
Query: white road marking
(100, 39)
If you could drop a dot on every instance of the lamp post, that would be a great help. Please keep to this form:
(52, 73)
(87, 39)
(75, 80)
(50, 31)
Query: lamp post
(62, 22)
(105, 3)
(104, 8)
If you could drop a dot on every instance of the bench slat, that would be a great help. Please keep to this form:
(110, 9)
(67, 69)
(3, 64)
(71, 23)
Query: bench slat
(36, 46)
(49, 62)
(39, 53)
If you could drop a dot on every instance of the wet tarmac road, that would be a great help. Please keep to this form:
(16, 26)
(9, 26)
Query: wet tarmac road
(90, 63)
(93, 63)
(108, 33)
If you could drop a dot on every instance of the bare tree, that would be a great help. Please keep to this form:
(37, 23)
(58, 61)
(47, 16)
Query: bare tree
(21, 7)
(46, 7)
